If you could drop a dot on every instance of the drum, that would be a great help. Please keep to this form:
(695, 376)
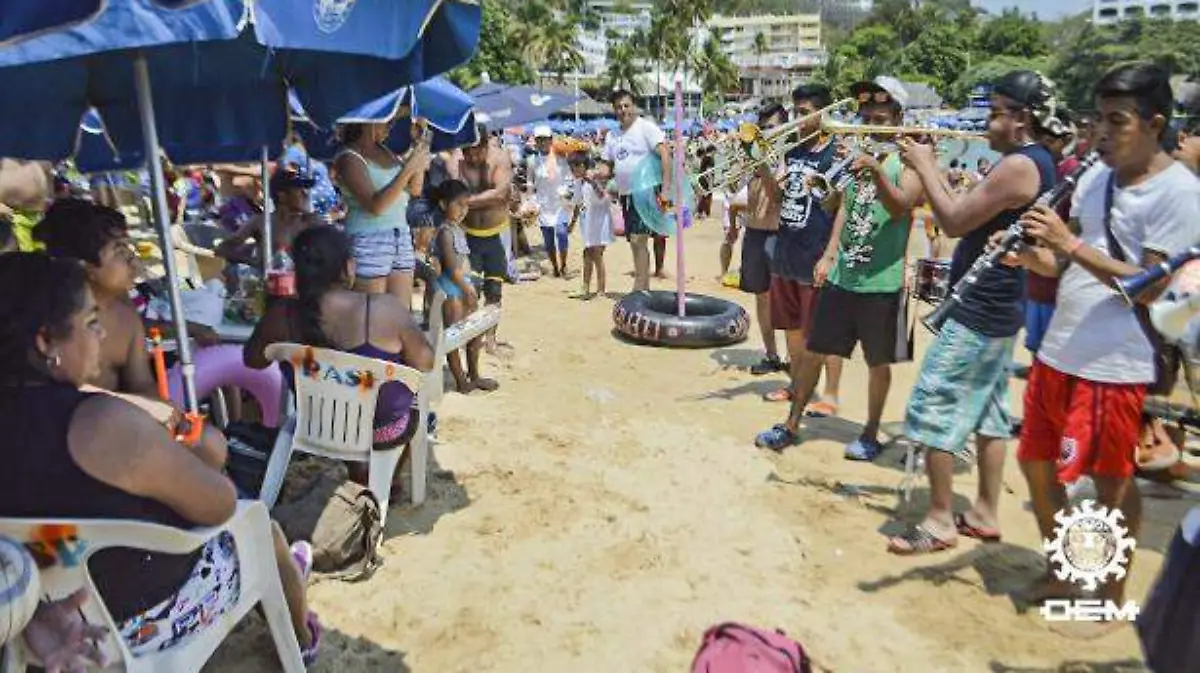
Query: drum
(933, 280)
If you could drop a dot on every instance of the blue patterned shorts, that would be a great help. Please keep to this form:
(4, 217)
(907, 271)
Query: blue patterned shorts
(962, 389)
(209, 592)
(380, 252)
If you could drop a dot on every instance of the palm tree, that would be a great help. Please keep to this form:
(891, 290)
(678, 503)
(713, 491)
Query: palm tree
(562, 48)
(760, 46)
(622, 67)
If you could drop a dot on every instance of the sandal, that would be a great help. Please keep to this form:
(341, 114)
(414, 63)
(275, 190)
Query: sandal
(777, 438)
(781, 395)
(309, 654)
(980, 533)
(918, 541)
(822, 408)
(302, 554)
(863, 449)
(768, 365)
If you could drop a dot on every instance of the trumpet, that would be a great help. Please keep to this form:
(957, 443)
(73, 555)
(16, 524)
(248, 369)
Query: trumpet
(742, 152)
(832, 127)
(838, 177)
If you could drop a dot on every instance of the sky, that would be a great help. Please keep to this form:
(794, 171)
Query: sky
(1046, 9)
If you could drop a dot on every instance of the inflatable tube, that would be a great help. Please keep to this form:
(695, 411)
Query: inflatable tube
(220, 366)
(649, 318)
(20, 589)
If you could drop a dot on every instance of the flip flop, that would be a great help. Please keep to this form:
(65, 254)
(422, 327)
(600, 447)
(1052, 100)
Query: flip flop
(309, 654)
(780, 395)
(822, 408)
(768, 365)
(978, 532)
(919, 541)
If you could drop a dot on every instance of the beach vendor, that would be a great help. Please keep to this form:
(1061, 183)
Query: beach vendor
(547, 174)
(109, 460)
(626, 147)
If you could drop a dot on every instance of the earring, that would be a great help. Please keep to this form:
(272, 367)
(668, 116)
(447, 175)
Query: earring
(54, 361)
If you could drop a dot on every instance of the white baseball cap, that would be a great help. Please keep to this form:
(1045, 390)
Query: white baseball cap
(542, 131)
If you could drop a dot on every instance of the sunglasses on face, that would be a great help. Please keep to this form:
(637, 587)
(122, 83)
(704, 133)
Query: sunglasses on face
(874, 97)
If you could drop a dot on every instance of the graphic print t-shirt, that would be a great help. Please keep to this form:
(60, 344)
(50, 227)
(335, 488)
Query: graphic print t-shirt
(804, 227)
(626, 149)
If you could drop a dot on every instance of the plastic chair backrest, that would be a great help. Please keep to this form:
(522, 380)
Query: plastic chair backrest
(335, 397)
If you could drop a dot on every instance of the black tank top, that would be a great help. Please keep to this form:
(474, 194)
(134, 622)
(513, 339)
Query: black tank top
(41, 480)
(994, 307)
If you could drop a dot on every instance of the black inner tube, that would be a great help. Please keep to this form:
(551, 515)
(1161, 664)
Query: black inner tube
(650, 318)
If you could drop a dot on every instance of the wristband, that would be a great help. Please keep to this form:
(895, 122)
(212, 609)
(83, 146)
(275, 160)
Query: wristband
(1073, 245)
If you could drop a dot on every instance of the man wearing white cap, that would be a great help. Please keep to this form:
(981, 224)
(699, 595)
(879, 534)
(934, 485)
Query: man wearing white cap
(547, 174)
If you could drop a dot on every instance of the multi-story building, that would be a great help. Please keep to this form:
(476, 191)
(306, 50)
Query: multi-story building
(1108, 12)
(593, 44)
(789, 48)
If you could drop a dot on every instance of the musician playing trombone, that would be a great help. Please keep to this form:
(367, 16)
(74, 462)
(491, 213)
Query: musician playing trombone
(861, 275)
(962, 388)
(1083, 405)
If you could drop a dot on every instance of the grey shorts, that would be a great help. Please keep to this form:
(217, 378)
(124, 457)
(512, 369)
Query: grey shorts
(380, 252)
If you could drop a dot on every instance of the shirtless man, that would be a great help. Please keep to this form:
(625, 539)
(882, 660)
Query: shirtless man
(96, 236)
(293, 214)
(487, 170)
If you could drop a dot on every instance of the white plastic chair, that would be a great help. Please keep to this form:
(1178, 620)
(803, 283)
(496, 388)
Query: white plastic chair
(260, 583)
(335, 397)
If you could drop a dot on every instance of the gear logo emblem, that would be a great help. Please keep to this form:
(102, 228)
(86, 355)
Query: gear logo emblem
(1090, 545)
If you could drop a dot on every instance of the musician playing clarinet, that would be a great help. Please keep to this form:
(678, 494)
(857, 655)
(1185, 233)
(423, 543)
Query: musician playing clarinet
(962, 388)
(1083, 405)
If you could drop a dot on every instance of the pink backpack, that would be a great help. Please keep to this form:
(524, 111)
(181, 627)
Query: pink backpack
(734, 648)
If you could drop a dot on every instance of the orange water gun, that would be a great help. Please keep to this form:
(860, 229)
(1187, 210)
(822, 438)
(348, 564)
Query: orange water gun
(188, 429)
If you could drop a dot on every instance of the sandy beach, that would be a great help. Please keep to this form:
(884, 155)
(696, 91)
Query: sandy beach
(606, 506)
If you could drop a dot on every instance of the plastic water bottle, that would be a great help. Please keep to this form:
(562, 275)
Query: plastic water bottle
(281, 278)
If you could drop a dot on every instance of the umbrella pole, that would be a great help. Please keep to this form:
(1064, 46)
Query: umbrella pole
(141, 78)
(268, 209)
(682, 216)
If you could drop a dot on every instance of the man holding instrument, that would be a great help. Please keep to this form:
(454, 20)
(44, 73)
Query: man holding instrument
(1083, 406)
(763, 197)
(962, 388)
(863, 262)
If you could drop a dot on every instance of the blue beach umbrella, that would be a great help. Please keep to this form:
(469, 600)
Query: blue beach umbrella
(221, 71)
(448, 110)
(498, 106)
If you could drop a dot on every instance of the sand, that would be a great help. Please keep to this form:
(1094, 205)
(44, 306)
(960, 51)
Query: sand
(606, 505)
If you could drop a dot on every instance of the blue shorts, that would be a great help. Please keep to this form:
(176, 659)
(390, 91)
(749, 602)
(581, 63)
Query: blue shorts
(448, 287)
(1037, 321)
(555, 238)
(379, 252)
(962, 389)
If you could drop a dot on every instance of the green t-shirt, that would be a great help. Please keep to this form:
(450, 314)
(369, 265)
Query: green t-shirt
(872, 245)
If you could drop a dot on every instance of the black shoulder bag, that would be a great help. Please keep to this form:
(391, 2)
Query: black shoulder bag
(1166, 356)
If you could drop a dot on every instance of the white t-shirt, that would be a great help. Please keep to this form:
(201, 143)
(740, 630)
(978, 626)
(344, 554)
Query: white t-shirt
(547, 188)
(595, 222)
(626, 149)
(1094, 334)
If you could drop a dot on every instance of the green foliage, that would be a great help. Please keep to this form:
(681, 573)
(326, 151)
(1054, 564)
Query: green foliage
(1088, 51)
(989, 71)
(1011, 34)
(939, 54)
(497, 55)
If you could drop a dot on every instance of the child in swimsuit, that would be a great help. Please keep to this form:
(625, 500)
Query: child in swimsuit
(457, 282)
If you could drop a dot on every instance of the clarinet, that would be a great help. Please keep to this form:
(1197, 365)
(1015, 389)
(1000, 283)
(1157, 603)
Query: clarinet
(1012, 240)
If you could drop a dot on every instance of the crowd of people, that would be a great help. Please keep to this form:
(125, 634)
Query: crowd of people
(828, 269)
(831, 273)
